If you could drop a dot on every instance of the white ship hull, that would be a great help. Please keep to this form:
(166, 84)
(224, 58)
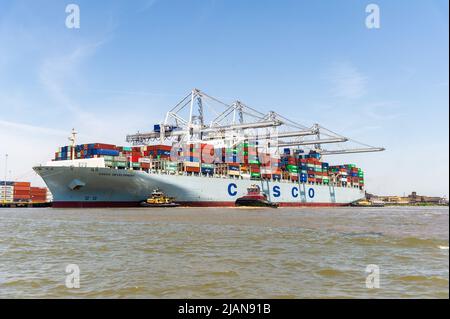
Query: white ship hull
(106, 187)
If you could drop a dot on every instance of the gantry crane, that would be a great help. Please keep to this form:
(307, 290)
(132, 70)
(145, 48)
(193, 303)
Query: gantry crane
(229, 127)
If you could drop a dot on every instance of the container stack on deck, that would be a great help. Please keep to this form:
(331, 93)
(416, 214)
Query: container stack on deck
(7, 191)
(348, 175)
(22, 192)
(242, 160)
(38, 194)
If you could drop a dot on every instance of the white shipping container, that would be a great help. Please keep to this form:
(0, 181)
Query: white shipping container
(144, 160)
(191, 164)
(2, 195)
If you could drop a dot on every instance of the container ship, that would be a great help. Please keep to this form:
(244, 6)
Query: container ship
(203, 160)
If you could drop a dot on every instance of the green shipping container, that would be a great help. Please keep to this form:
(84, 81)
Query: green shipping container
(120, 164)
(109, 163)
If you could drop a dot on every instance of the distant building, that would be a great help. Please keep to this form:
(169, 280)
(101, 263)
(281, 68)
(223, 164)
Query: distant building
(410, 199)
(414, 198)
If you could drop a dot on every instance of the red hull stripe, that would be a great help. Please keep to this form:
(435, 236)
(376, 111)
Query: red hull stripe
(187, 204)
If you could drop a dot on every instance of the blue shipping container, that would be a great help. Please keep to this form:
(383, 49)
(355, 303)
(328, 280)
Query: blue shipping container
(105, 152)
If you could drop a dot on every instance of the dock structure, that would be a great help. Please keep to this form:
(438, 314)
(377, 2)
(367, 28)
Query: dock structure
(24, 204)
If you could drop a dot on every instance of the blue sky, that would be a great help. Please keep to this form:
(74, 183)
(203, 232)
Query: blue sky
(313, 61)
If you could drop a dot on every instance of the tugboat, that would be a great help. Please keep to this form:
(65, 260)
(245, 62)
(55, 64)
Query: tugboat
(159, 199)
(255, 198)
(366, 203)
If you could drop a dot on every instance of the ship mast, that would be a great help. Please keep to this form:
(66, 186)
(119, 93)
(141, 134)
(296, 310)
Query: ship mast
(73, 140)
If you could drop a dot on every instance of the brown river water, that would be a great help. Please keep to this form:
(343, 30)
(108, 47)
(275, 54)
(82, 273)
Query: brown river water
(225, 252)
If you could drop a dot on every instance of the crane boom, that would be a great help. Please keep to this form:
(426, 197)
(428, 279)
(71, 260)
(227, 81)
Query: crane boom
(356, 150)
(139, 137)
(313, 142)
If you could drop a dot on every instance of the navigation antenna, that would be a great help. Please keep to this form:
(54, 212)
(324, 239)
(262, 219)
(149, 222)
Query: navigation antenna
(73, 139)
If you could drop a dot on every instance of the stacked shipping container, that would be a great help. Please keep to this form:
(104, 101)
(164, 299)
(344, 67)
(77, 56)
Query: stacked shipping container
(240, 160)
(348, 175)
(22, 192)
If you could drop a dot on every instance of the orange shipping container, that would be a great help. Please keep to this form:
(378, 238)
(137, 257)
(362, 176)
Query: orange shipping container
(18, 188)
(22, 184)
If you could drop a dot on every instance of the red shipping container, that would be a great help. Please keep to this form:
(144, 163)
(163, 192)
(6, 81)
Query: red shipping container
(164, 147)
(38, 193)
(104, 146)
(38, 198)
(22, 193)
(38, 189)
(192, 169)
(22, 197)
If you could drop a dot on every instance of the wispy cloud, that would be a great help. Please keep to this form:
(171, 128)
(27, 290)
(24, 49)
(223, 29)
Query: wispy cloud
(383, 111)
(32, 129)
(55, 72)
(148, 4)
(347, 81)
